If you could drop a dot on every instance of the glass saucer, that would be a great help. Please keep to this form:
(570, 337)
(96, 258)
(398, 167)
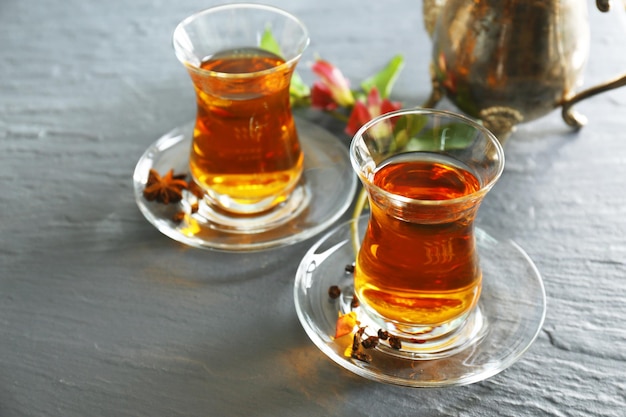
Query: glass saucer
(328, 184)
(510, 314)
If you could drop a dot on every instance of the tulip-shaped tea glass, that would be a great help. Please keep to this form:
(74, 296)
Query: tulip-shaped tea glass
(245, 174)
(245, 154)
(413, 293)
(417, 274)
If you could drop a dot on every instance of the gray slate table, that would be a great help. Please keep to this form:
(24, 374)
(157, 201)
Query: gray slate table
(101, 315)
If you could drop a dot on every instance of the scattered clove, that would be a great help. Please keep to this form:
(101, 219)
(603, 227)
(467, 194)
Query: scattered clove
(395, 342)
(370, 343)
(334, 292)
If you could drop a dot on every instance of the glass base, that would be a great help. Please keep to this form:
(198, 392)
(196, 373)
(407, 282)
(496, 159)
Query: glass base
(286, 211)
(506, 321)
(447, 341)
(324, 193)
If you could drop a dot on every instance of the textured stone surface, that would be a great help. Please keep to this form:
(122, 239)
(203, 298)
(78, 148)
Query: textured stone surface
(101, 315)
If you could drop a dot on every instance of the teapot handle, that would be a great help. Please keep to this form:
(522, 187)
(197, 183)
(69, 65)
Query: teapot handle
(571, 117)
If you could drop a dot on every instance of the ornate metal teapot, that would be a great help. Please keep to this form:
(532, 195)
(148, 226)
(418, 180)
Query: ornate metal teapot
(507, 62)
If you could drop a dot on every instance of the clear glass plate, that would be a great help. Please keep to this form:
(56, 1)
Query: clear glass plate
(328, 183)
(510, 313)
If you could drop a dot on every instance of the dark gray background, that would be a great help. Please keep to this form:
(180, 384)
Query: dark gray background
(101, 315)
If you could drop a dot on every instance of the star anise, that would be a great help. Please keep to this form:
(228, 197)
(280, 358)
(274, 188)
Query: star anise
(167, 189)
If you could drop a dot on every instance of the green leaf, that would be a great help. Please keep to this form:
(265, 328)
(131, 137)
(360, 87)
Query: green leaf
(269, 43)
(385, 78)
(447, 137)
(298, 88)
(406, 128)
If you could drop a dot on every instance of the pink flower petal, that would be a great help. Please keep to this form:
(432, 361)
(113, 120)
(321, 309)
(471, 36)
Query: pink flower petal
(374, 102)
(359, 116)
(326, 71)
(388, 106)
(333, 78)
(321, 97)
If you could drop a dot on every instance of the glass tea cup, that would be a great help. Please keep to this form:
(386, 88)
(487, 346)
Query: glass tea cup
(417, 274)
(245, 154)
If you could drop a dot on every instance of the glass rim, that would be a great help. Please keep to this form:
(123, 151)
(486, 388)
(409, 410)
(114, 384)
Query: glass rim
(428, 111)
(216, 9)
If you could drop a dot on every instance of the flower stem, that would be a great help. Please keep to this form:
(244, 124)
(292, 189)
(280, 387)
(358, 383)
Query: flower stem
(361, 202)
(338, 115)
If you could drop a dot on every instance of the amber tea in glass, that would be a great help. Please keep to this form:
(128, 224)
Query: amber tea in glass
(245, 153)
(426, 172)
(247, 148)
